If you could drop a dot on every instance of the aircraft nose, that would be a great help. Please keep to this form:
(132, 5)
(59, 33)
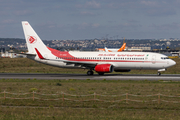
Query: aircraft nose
(173, 62)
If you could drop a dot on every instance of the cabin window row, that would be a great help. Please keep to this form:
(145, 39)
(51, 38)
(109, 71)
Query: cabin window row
(99, 58)
(129, 58)
(92, 58)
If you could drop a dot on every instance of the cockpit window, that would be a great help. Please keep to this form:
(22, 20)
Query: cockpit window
(164, 58)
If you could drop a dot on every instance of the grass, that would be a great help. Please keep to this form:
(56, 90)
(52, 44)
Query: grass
(92, 109)
(25, 65)
(87, 114)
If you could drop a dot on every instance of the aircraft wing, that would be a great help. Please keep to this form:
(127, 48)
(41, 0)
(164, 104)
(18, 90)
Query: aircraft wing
(28, 54)
(80, 63)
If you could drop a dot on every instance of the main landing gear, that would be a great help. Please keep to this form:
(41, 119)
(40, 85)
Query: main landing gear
(90, 72)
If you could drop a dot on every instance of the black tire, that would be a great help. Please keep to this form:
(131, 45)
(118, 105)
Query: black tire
(90, 72)
(158, 73)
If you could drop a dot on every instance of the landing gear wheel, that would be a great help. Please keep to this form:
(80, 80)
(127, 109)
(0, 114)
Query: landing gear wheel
(90, 72)
(158, 73)
(101, 73)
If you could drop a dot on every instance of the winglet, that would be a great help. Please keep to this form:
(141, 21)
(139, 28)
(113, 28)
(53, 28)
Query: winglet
(39, 54)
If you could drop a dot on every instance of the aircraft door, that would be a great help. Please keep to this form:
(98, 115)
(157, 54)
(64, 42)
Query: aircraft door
(153, 59)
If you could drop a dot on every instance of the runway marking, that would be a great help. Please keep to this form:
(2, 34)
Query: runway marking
(141, 77)
(95, 77)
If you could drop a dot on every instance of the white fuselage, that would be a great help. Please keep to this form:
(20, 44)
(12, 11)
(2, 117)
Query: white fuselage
(120, 60)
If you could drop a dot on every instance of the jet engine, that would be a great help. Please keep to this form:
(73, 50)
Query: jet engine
(104, 68)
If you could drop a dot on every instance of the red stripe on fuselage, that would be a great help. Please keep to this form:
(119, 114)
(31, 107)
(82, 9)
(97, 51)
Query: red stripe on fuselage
(60, 54)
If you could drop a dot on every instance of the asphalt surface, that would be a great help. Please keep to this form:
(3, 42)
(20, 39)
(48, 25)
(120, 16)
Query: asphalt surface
(175, 77)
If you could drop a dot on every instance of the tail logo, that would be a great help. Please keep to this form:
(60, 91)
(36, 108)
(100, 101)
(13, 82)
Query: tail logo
(32, 39)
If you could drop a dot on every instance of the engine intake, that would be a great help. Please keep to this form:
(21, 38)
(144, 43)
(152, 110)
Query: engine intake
(104, 68)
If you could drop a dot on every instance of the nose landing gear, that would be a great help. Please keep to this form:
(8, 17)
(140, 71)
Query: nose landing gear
(160, 70)
(158, 73)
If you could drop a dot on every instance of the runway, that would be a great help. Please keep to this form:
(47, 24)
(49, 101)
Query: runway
(175, 77)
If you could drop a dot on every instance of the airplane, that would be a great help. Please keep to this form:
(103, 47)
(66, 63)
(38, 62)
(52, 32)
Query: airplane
(105, 49)
(100, 62)
(114, 49)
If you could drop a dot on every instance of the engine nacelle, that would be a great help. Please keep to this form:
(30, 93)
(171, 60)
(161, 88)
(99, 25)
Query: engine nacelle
(104, 68)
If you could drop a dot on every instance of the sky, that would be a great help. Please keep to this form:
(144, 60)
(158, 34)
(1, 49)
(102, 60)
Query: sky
(90, 19)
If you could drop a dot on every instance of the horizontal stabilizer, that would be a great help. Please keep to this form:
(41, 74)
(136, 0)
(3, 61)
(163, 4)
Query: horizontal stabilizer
(29, 54)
